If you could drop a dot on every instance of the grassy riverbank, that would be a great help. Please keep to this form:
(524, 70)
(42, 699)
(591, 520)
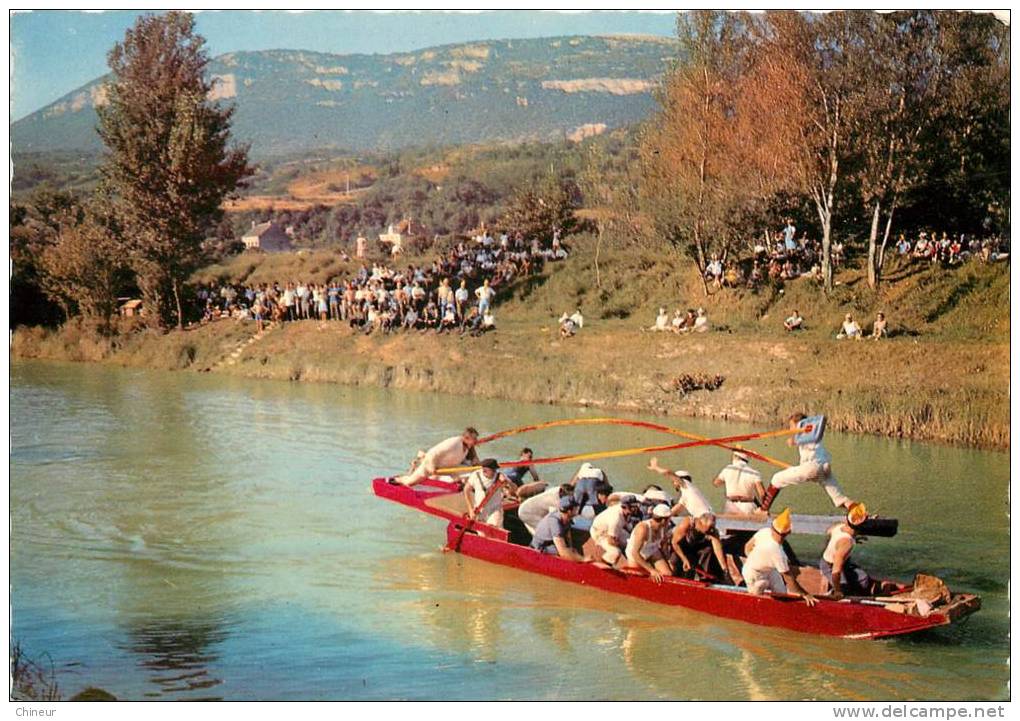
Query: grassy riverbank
(944, 376)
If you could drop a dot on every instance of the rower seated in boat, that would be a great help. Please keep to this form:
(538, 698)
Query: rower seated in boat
(452, 452)
(766, 567)
(690, 499)
(845, 576)
(645, 547)
(744, 487)
(533, 510)
(553, 535)
(484, 492)
(697, 550)
(517, 473)
(609, 529)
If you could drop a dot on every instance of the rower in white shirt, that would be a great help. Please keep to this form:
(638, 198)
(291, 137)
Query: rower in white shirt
(691, 499)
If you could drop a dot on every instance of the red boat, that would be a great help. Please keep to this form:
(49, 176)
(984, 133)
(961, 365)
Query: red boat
(907, 610)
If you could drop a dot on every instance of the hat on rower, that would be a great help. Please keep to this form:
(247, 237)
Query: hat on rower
(740, 455)
(684, 475)
(567, 503)
(781, 524)
(655, 494)
(490, 463)
(661, 511)
(856, 514)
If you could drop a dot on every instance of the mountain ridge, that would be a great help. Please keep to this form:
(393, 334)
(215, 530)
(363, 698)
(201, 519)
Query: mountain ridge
(507, 90)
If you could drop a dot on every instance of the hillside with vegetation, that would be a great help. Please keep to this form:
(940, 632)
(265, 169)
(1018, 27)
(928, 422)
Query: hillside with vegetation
(292, 101)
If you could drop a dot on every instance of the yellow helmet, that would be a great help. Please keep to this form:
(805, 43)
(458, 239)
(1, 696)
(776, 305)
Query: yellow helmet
(781, 524)
(856, 514)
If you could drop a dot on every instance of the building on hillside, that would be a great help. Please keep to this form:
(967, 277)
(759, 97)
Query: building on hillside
(268, 237)
(131, 307)
(400, 235)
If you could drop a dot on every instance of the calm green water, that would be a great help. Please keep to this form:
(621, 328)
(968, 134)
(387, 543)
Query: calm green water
(180, 536)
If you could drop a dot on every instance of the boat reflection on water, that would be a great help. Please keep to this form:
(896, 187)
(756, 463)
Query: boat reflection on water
(657, 651)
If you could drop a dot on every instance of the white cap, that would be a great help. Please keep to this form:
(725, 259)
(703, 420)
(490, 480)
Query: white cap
(661, 511)
(683, 474)
(654, 494)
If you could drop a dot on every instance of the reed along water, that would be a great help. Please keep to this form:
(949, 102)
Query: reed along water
(183, 536)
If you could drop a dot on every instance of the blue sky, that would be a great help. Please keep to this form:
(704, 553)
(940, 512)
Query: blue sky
(54, 52)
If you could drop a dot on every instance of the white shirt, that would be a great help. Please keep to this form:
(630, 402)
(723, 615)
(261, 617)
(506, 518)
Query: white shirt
(480, 485)
(693, 499)
(445, 454)
(740, 479)
(461, 295)
(578, 319)
(661, 321)
(814, 453)
(767, 555)
(851, 329)
(610, 524)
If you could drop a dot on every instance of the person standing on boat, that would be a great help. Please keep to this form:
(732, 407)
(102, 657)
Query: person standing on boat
(452, 452)
(815, 466)
(691, 499)
(484, 491)
(766, 567)
(744, 487)
(836, 565)
(696, 547)
(609, 529)
(645, 545)
(585, 483)
(553, 534)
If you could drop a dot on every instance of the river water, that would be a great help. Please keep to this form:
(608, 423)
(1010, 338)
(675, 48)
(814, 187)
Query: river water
(184, 536)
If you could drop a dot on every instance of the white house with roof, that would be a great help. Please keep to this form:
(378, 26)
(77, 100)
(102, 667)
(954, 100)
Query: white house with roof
(268, 237)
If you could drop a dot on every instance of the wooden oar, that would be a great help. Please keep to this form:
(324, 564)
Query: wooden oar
(469, 521)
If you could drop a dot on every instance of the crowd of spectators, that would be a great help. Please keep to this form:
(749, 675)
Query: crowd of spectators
(782, 256)
(453, 293)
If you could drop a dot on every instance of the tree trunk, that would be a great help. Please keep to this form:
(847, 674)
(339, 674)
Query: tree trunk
(177, 300)
(598, 250)
(885, 238)
(872, 247)
(826, 250)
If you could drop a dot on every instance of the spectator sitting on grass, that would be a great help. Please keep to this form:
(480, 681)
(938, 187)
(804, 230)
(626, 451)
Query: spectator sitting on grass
(578, 319)
(794, 322)
(567, 326)
(661, 320)
(878, 330)
(701, 322)
(850, 329)
(678, 320)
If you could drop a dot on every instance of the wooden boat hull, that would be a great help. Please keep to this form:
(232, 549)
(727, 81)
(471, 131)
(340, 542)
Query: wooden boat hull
(847, 618)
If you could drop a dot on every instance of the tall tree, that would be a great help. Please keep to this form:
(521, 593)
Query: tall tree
(726, 138)
(169, 164)
(833, 52)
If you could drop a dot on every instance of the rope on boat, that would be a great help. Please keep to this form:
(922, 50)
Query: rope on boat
(630, 451)
(625, 422)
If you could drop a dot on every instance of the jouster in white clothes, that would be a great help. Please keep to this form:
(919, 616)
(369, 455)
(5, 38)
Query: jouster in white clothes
(765, 565)
(454, 451)
(743, 485)
(815, 467)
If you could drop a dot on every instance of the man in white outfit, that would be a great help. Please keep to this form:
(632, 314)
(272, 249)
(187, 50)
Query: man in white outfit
(609, 529)
(691, 499)
(484, 491)
(452, 452)
(815, 466)
(766, 567)
(743, 483)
